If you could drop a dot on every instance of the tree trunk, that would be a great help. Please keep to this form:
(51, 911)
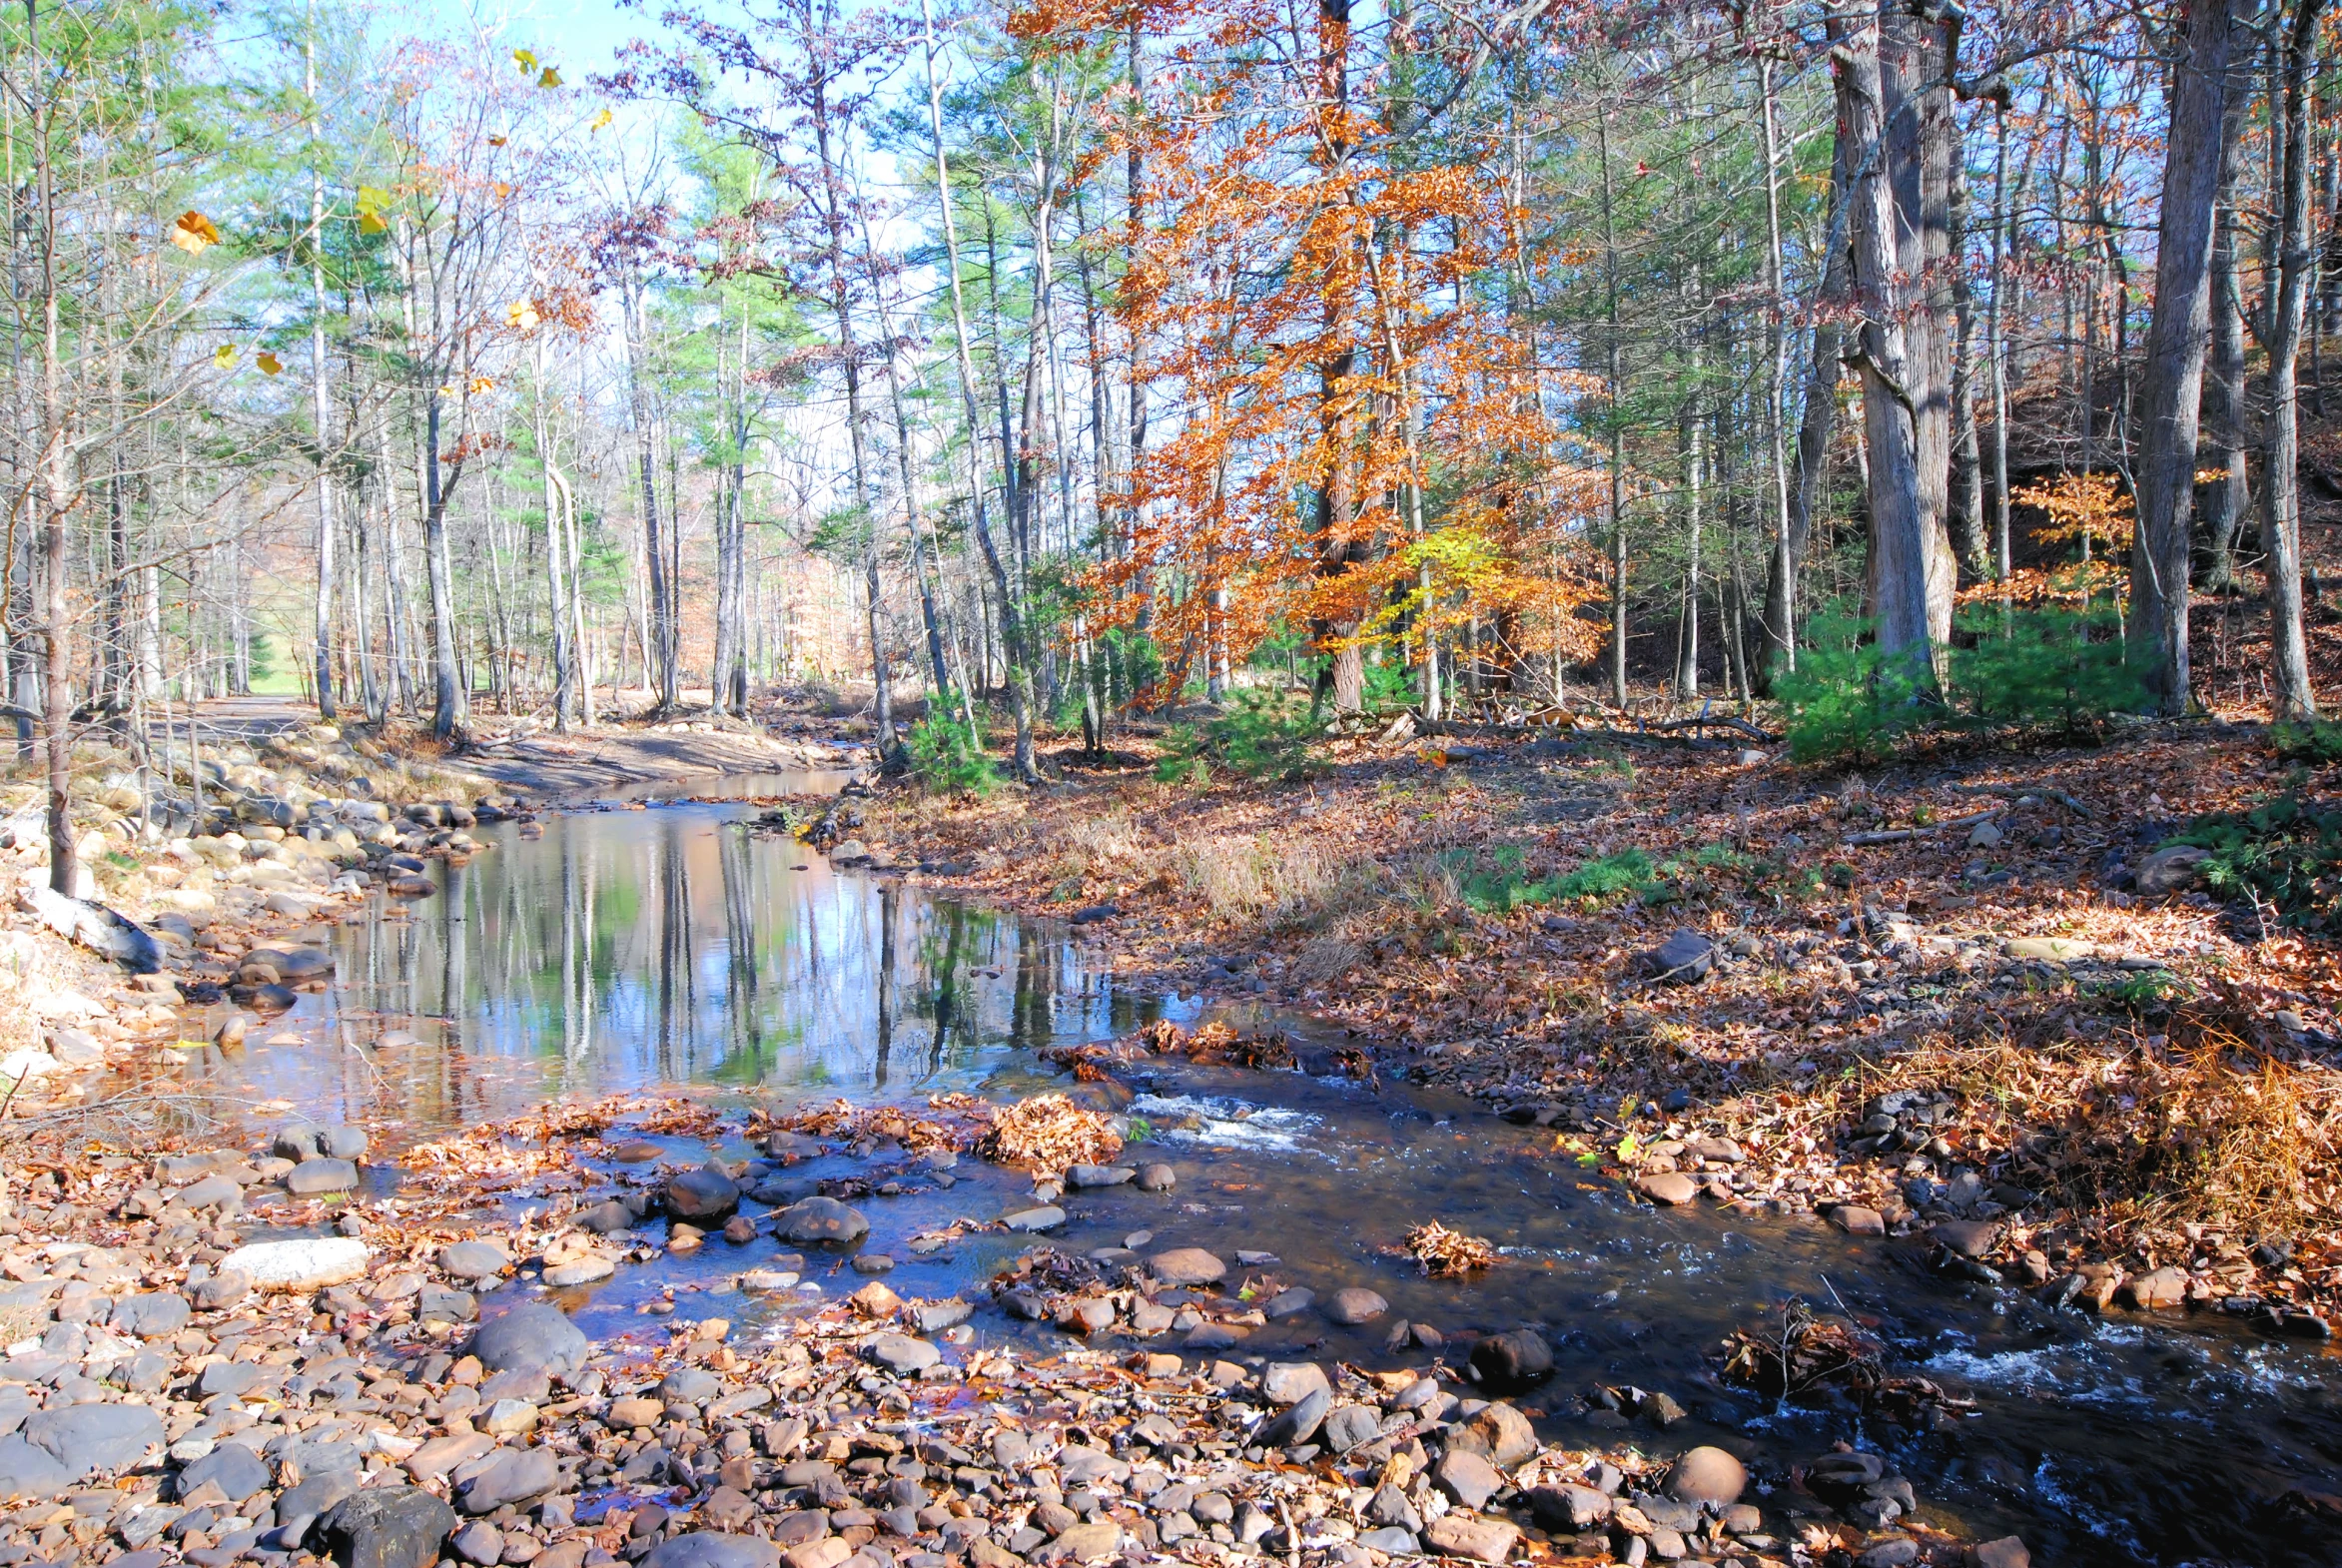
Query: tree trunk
(2226, 499)
(1812, 438)
(2280, 476)
(448, 694)
(2174, 370)
(1902, 530)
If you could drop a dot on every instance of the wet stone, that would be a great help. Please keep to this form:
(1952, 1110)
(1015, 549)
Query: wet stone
(1468, 1536)
(1512, 1360)
(904, 1355)
(1156, 1178)
(1186, 1265)
(702, 1194)
(1355, 1305)
(821, 1220)
(474, 1260)
(1289, 1304)
(1667, 1187)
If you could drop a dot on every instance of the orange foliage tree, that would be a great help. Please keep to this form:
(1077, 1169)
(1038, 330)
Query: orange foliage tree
(1359, 445)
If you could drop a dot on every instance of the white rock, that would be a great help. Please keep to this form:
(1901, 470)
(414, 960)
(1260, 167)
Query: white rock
(27, 1062)
(298, 1266)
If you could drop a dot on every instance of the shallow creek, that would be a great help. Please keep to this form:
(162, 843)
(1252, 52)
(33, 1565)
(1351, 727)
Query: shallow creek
(623, 947)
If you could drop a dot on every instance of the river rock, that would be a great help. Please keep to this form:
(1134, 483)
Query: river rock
(312, 1177)
(904, 1355)
(1468, 1477)
(1968, 1237)
(605, 1216)
(2008, 1552)
(510, 1475)
(536, 1337)
(713, 1549)
(151, 1316)
(1186, 1265)
(1512, 1360)
(1289, 1382)
(2051, 950)
(1854, 1220)
(1048, 1217)
(933, 1318)
(1289, 1304)
(1570, 1508)
(1296, 1424)
(236, 1469)
(1470, 1536)
(1156, 1178)
(1097, 1175)
(1896, 1552)
(1684, 958)
(1355, 1304)
(1499, 1431)
(1349, 1425)
(225, 1289)
(707, 1194)
(310, 1265)
(1707, 1475)
(2153, 1291)
(386, 1527)
(57, 1448)
(821, 1220)
(478, 1542)
(2172, 870)
(1668, 1188)
(475, 1259)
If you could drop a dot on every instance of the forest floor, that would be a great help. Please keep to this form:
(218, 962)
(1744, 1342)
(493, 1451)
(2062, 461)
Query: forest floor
(1927, 996)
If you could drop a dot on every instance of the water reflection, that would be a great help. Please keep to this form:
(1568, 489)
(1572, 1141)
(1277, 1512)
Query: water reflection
(636, 948)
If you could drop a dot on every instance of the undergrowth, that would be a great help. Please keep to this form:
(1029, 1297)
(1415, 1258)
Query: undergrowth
(2286, 853)
(2053, 668)
(1262, 736)
(946, 758)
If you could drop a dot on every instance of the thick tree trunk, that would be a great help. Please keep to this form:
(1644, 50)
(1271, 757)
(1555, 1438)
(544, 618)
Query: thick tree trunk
(2174, 370)
(1902, 528)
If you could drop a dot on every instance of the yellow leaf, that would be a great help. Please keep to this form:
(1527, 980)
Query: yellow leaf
(498, 140)
(223, 356)
(270, 365)
(193, 232)
(522, 314)
(598, 121)
(552, 78)
(482, 383)
(525, 58)
(504, 190)
(372, 223)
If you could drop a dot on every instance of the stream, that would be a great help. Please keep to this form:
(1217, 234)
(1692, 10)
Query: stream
(625, 945)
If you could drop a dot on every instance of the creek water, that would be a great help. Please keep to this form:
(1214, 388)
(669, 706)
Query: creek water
(633, 947)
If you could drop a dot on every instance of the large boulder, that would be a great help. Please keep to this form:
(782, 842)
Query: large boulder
(533, 1338)
(386, 1527)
